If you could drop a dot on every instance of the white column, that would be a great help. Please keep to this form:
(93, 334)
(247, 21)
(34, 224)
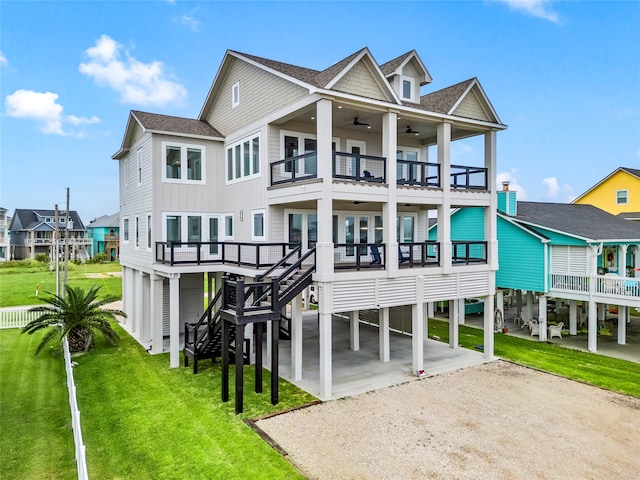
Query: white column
(325, 356)
(622, 259)
(490, 217)
(636, 261)
(461, 311)
(139, 305)
(426, 318)
(156, 313)
(453, 324)
(431, 307)
(488, 328)
(174, 321)
(542, 318)
(354, 330)
(444, 210)
(417, 337)
(383, 334)
(145, 320)
(500, 301)
(296, 338)
(573, 317)
(593, 327)
(623, 315)
(390, 207)
(324, 246)
(529, 305)
(601, 312)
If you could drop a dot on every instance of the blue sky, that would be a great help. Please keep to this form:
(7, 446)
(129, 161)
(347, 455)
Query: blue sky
(564, 76)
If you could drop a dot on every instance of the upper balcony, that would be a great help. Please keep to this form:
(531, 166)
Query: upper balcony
(372, 169)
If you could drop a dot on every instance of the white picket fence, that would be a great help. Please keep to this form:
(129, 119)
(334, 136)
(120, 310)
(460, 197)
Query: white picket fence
(16, 317)
(81, 459)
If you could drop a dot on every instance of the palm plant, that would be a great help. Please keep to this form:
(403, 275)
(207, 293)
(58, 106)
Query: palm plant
(78, 315)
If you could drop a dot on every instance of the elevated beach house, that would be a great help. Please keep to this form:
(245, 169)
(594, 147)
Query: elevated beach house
(292, 178)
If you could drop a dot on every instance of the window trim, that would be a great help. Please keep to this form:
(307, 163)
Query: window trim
(136, 233)
(149, 232)
(254, 213)
(184, 147)
(624, 192)
(125, 230)
(235, 156)
(235, 94)
(225, 236)
(139, 165)
(412, 86)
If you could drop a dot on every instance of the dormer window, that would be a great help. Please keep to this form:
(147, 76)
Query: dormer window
(407, 88)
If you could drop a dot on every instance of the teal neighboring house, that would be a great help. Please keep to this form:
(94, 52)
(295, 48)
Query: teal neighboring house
(104, 233)
(583, 258)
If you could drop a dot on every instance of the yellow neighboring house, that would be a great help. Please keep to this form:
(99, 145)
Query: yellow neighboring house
(618, 193)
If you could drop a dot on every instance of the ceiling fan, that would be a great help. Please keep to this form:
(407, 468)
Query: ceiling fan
(357, 122)
(410, 131)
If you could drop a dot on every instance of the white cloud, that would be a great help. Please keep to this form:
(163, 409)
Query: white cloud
(136, 82)
(535, 8)
(555, 189)
(44, 109)
(3, 60)
(190, 22)
(512, 177)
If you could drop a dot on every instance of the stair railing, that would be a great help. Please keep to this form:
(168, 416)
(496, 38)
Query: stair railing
(194, 330)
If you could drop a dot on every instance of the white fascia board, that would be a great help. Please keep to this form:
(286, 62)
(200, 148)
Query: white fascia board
(123, 146)
(485, 99)
(274, 72)
(516, 224)
(223, 66)
(414, 56)
(381, 79)
(186, 135)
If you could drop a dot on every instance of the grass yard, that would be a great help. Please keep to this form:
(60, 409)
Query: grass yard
(605, 372)
(142, 420)
(36, 439)
(18, 280)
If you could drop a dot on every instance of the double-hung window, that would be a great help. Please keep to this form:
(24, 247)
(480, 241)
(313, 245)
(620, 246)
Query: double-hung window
(125, 230)
(257, 225)
(243, 159)
(183, 163)
(407, 88)
(622, 197)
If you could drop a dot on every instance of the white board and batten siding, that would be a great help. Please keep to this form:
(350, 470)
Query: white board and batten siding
(391, 292)
(569, 260)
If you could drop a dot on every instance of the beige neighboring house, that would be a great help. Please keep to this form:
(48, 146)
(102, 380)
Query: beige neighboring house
(291, 178)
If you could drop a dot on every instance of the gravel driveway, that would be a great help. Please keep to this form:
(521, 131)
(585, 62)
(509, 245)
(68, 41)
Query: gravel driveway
(493, 421)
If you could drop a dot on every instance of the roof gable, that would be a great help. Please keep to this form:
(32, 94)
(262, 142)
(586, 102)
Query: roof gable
(465, 99)
(396, 67)
(144, 122)
(631, 171)
(30, 219)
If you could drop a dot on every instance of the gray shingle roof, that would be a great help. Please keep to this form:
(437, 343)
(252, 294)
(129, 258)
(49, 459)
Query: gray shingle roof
(170, 124)
(392, 65)
(442, 101)
(585, 221)
(27, 219)
(632, 171)
(106, 221)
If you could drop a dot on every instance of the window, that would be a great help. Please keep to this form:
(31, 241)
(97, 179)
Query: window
(243, 159)
(139, 165)
(137, 238)
(148, 232)
(228, 226)
(194, 229)
(235, 95)
(407, 88)
(295, 228)
(183, 163)
(125, 230)
(257, 225)
(174, 228)
(312, 230)
(622, 197)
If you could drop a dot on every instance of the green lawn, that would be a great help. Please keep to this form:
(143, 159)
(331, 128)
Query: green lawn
(142, 420)
(605, 372)
(18, 281)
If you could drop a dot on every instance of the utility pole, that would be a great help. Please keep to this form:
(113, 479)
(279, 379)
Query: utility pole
(56, 246)
(66, 247)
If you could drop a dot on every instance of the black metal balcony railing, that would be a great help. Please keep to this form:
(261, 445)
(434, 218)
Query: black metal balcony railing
(367, 168)
(420, 254)
(465, 253)
(469, 178)
(294, 169)
(256, 255)
(423, 174)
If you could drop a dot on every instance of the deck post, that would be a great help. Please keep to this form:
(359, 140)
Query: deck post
(259, 327)
(453, 323)
(225, 360)
(383, 334)
(354, 330)
(239, 367)
(417, 337)
(275, 334)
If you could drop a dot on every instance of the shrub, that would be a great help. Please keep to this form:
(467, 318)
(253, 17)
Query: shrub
(99, 257)
(42, 258)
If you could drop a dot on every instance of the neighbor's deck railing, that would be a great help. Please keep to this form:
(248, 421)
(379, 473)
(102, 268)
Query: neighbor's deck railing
(614, 286)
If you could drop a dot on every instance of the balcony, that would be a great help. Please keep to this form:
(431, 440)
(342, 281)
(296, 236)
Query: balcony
(253, 255)
(608, 285)
(468, 253)
(372, 169)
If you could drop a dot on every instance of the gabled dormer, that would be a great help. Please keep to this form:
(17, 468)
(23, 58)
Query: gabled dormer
(407, 74)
